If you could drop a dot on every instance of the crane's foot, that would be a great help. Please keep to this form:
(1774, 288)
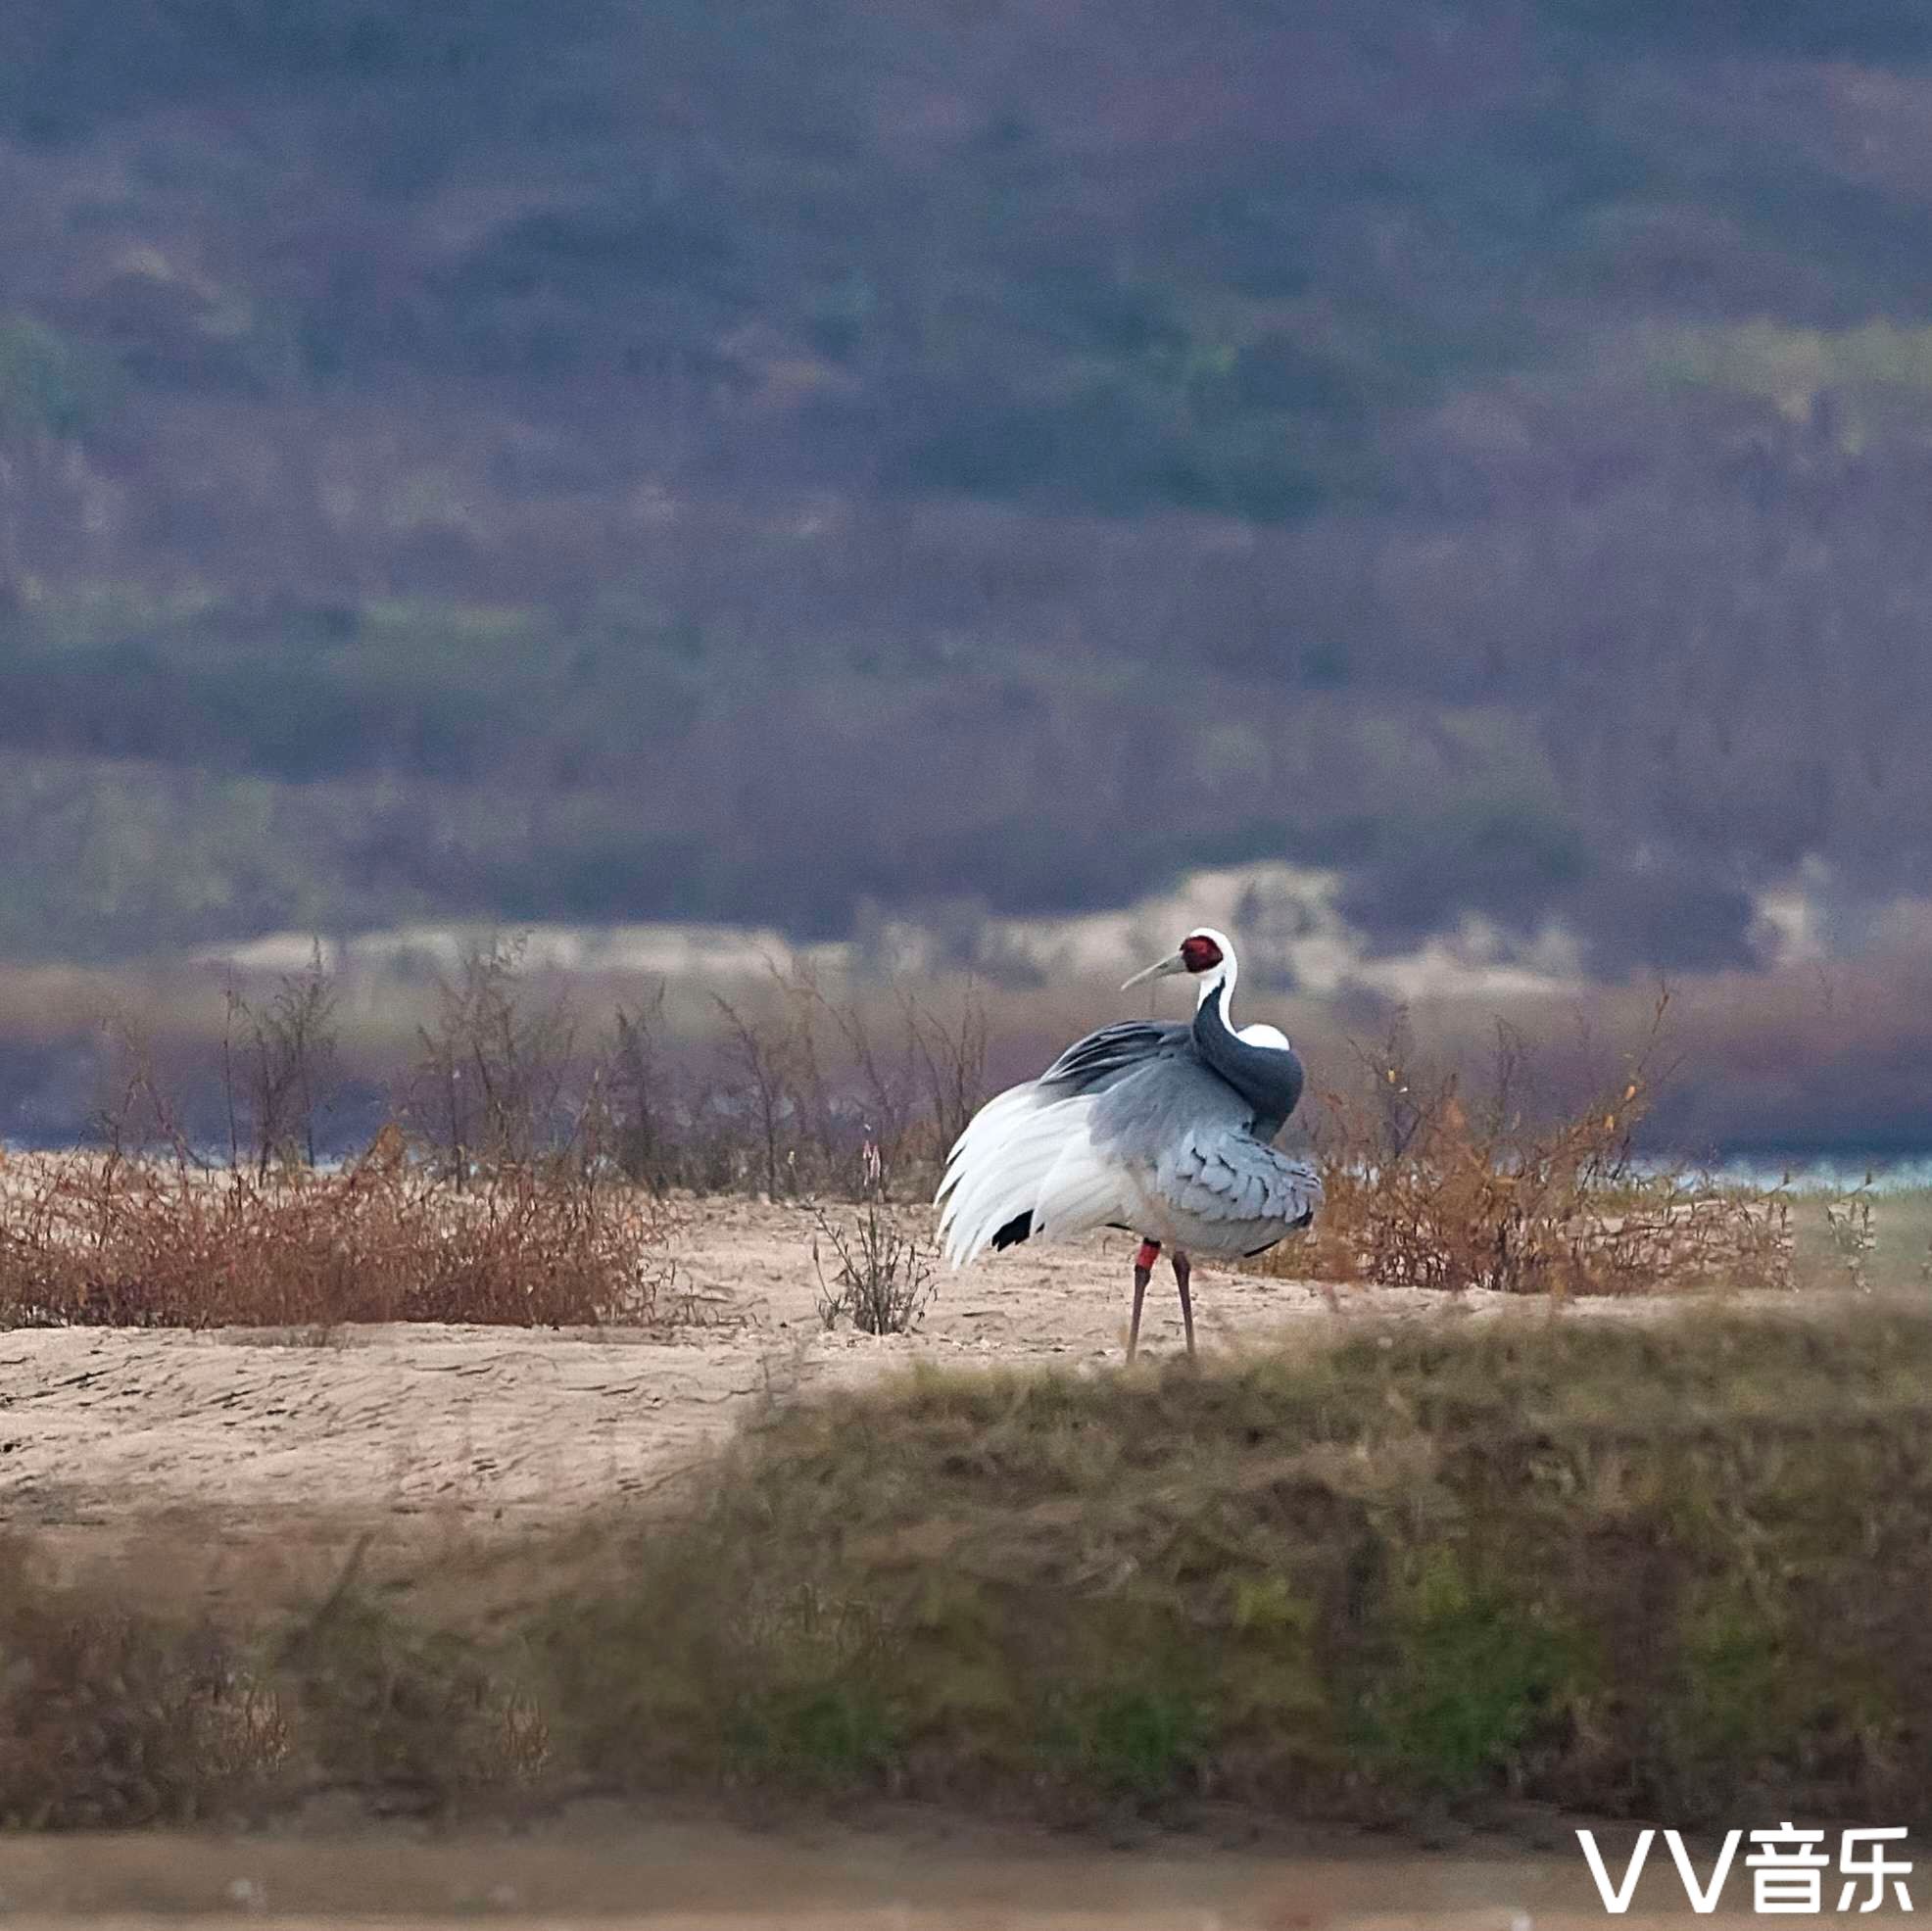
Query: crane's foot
(1184, 1269)
(1143, 1270)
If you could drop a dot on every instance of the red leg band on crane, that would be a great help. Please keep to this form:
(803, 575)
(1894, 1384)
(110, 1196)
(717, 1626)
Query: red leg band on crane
(1150, 1252)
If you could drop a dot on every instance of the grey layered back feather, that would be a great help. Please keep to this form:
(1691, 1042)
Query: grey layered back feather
(1192, 1135)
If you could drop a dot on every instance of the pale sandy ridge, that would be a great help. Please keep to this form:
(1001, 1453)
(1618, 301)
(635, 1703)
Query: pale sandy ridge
(500, 1425)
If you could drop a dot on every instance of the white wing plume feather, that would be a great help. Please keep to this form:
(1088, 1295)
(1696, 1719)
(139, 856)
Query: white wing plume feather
(1027, 1151)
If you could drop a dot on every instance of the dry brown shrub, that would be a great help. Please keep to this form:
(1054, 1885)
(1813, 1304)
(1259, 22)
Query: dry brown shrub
(123, 1241)
(505, 1207)
(1430, 1186)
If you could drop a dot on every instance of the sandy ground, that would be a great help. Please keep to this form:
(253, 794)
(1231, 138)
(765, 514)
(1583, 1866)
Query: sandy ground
(484, 1425)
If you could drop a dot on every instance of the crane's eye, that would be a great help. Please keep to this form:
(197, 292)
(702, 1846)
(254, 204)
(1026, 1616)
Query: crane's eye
(1199, 954)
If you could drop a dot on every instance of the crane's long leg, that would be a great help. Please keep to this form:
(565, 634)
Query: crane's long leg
(1143, 1268)
(1182, 1268)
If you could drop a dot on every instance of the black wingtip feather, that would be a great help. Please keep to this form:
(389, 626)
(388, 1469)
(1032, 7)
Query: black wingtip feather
(1014, 1231)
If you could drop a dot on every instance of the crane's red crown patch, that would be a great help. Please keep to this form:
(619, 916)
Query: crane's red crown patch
(1199, 954)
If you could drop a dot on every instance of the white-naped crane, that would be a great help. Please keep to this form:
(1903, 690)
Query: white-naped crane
(1160, 1129)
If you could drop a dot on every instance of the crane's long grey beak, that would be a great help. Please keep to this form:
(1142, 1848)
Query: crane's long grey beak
(1161, 969)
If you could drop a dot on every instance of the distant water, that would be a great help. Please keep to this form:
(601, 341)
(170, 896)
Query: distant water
(1889, 1169)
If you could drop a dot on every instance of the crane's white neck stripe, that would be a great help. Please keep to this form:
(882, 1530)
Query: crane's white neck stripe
(1222, 980)
(1212, 981)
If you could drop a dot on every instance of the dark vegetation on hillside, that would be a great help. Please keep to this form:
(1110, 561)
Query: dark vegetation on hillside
(609, 460)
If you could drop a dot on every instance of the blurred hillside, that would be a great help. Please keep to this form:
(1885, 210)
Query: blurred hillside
(613, 461)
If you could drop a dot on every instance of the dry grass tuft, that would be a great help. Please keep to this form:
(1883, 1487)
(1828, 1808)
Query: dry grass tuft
(1432, 1185)
(495, 1200)
(111, 1241)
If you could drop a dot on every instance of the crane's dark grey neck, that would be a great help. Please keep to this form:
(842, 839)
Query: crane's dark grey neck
(1267, 1078)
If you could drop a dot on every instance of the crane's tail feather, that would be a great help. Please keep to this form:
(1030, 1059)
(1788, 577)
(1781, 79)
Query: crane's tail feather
(1082, 1191)
(1026, 1157)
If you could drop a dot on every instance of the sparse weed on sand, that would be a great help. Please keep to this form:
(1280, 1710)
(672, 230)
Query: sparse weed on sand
(881, 1272)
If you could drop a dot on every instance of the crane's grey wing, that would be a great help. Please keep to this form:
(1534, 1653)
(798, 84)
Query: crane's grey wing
(1229, 1177)
(1190, 1137)
(1104, 1057)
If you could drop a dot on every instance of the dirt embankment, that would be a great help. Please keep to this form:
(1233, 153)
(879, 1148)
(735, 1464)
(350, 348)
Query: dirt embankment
(199, 1446)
